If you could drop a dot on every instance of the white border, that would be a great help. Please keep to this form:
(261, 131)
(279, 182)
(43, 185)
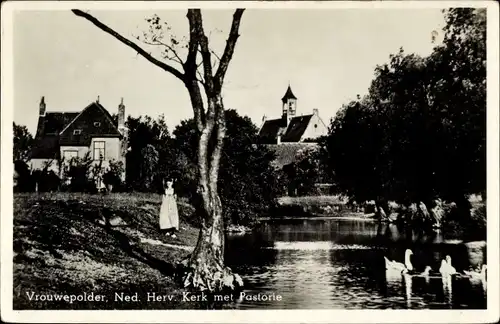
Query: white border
(251, 316)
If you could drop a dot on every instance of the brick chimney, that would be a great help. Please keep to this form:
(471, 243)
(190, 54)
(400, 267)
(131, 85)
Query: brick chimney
(121, 118)
(124, 140)
(42, 107)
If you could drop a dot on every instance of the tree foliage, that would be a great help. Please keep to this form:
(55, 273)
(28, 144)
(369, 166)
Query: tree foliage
(304, 173)
(149, 142)
(79, 174)
(23, 141)
(420, 132)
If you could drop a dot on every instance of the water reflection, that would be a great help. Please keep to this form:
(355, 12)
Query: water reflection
(338, 264)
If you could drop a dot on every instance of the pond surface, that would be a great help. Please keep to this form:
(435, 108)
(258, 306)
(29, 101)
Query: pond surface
(339, 264)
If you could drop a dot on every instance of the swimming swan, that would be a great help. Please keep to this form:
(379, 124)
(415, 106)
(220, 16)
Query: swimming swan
(474, 275)
(393, 265)
(446, 268)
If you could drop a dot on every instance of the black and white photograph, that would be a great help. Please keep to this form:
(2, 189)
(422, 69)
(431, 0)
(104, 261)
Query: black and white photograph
(246, 156)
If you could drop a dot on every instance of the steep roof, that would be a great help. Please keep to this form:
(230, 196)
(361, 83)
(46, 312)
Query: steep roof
(46, 143)
(54, 122)
(85, 122)
(288, 95)
(296, 128)
(269, 131)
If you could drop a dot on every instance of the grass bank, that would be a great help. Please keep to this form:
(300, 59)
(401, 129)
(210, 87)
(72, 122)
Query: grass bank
(62, 246)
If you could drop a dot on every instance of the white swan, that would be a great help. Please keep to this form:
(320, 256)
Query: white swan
(393, 265)
(446, 268)
(474, 275)
(452, 270)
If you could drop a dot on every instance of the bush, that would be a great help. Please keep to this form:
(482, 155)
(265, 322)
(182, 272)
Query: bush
(78, 173)
(23, 181)
(47, 180)
(112, 177)
(469, 226)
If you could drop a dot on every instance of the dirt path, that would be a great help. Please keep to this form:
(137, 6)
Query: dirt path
(157, 242)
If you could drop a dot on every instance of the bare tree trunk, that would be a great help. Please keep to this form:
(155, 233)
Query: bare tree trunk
(205, 266)
(381, 206)
(424, 211)
(437, 212)
(204, 269)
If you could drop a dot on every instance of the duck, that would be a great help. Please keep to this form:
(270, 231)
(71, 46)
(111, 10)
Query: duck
(398, 266)
(426, 274)
(446, 268)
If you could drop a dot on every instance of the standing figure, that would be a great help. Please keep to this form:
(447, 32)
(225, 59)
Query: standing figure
(169, 216)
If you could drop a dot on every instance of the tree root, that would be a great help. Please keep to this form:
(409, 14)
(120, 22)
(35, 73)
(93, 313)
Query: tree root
(213, 278)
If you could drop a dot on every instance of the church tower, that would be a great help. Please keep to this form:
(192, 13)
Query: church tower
(289, 105)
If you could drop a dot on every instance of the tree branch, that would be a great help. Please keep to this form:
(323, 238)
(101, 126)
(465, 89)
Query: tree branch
(170, 48)
(216, 56)
(190, 64)
(129, 43)
(229, 49)
(204, 50)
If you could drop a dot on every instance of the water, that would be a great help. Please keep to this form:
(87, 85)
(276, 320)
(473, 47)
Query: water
(339, 264)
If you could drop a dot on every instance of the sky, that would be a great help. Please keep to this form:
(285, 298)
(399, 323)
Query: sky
(328, 56)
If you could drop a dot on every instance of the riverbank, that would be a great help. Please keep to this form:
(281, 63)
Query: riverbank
(310, 206)
(62, 245)
(453, 222)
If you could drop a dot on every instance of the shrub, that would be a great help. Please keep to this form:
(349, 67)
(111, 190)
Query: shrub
(112, 176)
(78, 172)
(23, 179)
(463, 224)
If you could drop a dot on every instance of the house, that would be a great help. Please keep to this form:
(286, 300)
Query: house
(291, 128)
(61, 136)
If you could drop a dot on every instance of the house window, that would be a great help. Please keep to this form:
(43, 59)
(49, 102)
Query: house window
(77, 132)
(97, 124)
(315, 125)
(99, 150)
(70, 154)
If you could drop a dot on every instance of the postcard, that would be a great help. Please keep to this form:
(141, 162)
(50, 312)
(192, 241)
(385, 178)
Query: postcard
(250, 162)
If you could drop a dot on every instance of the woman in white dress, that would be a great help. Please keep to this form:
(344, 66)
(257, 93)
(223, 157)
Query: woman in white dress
(169, 216)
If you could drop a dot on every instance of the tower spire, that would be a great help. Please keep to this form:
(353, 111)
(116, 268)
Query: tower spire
(289, 107)
(288, 94)
(42, 106)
